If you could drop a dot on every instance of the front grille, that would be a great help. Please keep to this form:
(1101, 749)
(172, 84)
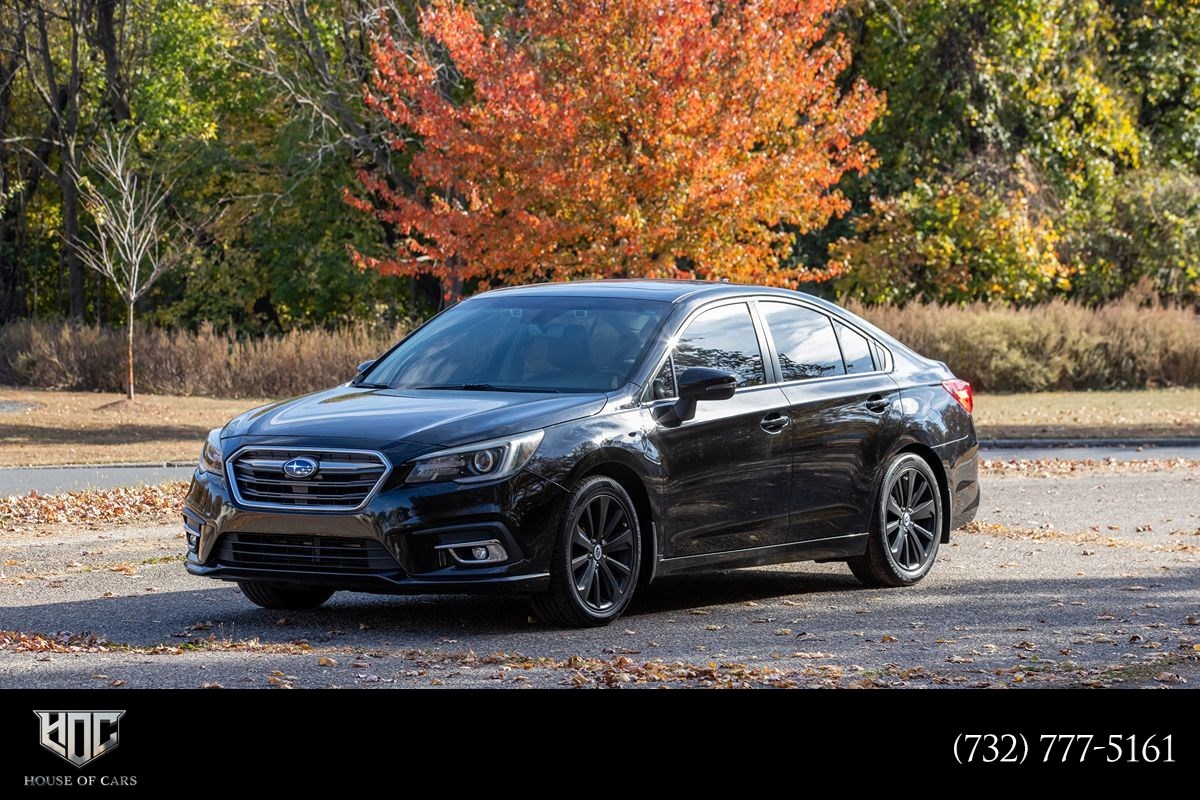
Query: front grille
(342, 481)
(304, 553)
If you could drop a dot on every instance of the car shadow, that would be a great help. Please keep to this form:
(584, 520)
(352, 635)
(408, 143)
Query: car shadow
(100, 435)
(221, 611)
(461, 621)
(695, 590)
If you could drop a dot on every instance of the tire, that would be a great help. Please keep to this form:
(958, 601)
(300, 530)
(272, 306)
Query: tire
(275, 596)
(905, 530)
(593, 577)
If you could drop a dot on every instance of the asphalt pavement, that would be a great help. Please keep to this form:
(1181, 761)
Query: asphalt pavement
(51, 480)
(1090, 579)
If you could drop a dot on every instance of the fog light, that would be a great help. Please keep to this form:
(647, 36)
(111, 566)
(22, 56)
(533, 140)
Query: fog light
(475, 553)
(193, 540)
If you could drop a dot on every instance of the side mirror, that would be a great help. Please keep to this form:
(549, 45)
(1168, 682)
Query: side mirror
(696, 384)
(702, 383)
(364, 366)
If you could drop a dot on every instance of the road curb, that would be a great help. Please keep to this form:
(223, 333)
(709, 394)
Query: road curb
(126, 465)
(1018, 444)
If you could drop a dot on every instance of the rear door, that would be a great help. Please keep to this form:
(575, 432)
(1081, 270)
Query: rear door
(844, 410)
(729, 466)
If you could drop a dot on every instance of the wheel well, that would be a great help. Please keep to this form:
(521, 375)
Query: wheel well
(636, 488)
(935, 464)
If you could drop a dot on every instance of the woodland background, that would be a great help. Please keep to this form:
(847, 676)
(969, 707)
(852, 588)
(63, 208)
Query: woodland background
(1018, 190)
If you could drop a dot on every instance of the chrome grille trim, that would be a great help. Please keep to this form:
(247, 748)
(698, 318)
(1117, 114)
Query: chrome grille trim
(256, 477)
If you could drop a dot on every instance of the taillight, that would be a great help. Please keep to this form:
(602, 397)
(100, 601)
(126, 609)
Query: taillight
(960, 391)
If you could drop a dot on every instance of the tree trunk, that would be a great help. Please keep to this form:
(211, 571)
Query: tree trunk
(129, 352)
(68, 181)
(116, 93)
(452, 289)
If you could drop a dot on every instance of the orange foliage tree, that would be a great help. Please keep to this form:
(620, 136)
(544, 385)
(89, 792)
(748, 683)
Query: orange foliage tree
(615, 138)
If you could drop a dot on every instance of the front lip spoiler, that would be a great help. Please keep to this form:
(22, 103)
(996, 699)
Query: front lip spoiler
(385, 583)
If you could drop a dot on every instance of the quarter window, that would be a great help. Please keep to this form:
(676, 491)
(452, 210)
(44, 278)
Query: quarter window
(855, 350)
(805, 341)
(663, 385)
(722, 338)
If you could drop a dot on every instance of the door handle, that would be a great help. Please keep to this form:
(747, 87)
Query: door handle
(775, 422)
(878, 403)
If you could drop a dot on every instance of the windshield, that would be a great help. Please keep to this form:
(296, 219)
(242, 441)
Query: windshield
(525, 343)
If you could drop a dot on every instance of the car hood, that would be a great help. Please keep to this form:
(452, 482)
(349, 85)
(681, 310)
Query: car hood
(385, 417)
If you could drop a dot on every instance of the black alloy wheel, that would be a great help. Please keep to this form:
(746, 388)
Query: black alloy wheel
(911, 518)
(597, 557)
(907, 525)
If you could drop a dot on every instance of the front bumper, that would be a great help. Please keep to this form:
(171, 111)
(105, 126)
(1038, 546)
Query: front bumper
(400, 542)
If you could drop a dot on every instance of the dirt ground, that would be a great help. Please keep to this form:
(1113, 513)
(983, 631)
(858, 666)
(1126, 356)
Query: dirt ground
(50, 427)
(1151, 413)
(42, 427)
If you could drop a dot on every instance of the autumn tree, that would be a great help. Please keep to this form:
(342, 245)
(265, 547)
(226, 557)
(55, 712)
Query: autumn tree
(615, 138)
(135, 241)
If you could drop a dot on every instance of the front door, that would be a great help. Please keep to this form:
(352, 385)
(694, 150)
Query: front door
(730, 465)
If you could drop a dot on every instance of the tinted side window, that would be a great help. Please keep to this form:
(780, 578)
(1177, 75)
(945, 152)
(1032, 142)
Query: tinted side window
(722, 338)
(855, 350)
(805, 340)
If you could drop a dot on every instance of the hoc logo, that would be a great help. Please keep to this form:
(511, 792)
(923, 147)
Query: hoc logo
(79, 736)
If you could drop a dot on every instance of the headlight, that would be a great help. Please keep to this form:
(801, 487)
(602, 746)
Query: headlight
(211, 458)
(485, 461)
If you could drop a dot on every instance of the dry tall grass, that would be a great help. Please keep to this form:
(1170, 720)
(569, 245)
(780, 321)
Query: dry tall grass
(1056, 345)
(203, 363)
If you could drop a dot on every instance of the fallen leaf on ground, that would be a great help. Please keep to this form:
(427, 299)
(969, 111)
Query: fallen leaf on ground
(141, 503)
(1169, 677)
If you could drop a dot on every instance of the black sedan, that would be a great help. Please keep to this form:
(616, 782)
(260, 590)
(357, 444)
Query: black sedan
(575, 441)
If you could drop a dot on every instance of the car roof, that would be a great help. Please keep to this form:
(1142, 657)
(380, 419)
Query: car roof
(672, 291)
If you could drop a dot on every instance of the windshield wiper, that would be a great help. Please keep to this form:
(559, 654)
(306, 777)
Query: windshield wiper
(485, 387)
(370, 386)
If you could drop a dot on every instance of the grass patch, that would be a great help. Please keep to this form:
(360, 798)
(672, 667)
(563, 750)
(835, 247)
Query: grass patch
(95, 428)
(1149, 413)
(68, 427)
